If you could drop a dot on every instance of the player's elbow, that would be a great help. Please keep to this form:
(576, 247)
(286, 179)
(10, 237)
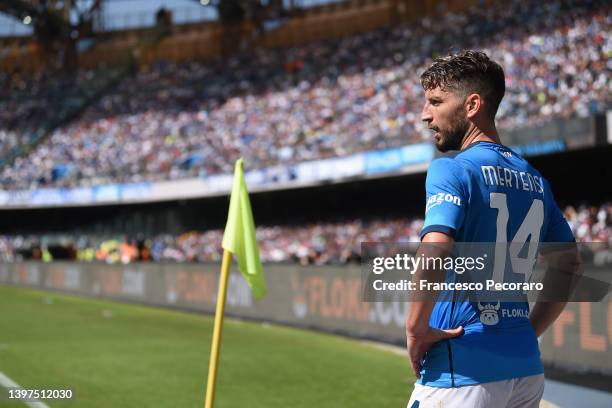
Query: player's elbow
(564, 257)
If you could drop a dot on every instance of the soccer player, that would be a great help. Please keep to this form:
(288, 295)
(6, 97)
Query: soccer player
(468, 354)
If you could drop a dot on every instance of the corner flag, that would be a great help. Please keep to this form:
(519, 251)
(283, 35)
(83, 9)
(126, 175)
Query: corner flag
(239, 236)
(238, 239)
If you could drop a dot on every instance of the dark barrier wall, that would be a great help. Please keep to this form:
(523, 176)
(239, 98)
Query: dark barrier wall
(326, 298)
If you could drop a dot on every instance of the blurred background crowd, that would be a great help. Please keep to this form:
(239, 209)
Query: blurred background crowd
(322, 100)
(315, 244)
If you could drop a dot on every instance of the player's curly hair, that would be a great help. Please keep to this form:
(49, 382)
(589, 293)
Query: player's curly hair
(468, 72)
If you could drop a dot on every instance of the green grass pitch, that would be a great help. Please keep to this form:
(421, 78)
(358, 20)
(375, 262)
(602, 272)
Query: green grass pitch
(120, 355)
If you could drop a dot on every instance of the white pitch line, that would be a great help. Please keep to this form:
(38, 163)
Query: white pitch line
(8, 383)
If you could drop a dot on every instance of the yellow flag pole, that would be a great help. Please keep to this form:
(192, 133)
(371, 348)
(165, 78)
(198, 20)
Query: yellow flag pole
(216, 340)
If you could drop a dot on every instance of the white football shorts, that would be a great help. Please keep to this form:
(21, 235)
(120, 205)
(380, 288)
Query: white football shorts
(523, 392)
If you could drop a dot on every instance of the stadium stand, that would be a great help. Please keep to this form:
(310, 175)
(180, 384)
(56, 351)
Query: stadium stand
(32, 107)
(323, 100)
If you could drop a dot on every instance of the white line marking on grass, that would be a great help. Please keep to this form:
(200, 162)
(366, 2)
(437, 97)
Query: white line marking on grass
(8, 383)
(402, 351)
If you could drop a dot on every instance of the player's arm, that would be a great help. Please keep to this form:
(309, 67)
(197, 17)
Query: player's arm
(446, 202)
(563, 269)
(562, 274)
(433, 245)
(420, 336)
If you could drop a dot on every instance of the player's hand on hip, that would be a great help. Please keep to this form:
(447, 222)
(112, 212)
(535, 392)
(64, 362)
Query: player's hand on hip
(419, 343)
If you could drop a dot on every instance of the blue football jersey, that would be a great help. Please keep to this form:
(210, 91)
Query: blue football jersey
(487, 193)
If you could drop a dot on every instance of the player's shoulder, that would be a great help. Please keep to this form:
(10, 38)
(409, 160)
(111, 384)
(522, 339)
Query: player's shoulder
(446, 171)
(444, 167)
(492, 154)
(462, 163)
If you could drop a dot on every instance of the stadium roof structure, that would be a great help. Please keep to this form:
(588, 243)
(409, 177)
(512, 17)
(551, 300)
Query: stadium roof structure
(70, 14)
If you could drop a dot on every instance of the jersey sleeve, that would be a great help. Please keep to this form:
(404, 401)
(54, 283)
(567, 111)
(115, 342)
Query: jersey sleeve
(557, 229)
(446, 197)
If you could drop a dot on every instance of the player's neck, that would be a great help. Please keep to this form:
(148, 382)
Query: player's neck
(477, 134)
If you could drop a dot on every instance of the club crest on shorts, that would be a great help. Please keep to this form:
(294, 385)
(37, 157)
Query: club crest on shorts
(488, 314)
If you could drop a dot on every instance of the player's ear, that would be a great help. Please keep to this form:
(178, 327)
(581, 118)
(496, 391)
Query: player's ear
(473, 104)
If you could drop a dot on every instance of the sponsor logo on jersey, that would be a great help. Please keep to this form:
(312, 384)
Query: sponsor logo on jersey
(437, 199)
(488, 314)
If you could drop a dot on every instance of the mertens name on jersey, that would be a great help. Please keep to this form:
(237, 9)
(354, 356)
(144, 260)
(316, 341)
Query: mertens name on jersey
(503, 176)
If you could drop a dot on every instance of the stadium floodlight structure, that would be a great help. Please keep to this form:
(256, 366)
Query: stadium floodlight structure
(57, 24)
(233, 11)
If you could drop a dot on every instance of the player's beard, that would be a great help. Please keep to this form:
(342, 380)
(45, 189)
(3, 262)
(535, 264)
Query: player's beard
(450, 139)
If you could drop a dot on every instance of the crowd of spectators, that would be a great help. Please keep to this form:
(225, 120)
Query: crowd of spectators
(28, 103)
(324, 99)
(24, 102)
(317, 244)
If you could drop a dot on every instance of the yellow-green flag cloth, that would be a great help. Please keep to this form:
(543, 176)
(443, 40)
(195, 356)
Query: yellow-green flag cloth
(239, 235)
